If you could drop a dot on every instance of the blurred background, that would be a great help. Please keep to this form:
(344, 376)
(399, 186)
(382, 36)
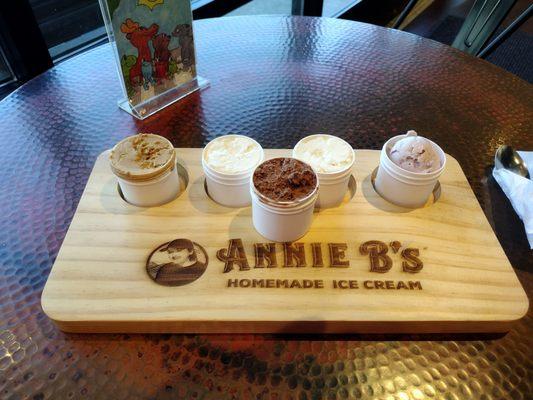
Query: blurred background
(36, 34)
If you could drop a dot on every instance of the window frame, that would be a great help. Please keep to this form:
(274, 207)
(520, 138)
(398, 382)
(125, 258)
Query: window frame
(10, 76)
(27, 54)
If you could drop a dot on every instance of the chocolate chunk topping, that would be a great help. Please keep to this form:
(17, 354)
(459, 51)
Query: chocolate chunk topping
(284, 179)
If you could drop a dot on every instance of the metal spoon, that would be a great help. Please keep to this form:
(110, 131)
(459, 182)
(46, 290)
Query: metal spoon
(508, 158)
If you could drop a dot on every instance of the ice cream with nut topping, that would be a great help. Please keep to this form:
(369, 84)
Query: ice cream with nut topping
(142, 156)
(145, 166)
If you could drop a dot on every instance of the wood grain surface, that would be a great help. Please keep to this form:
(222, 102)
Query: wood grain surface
(99, 281)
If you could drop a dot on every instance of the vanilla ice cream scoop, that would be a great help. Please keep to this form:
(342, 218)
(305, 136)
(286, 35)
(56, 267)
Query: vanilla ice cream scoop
(415, 153)
(233, 154)
(325, 153)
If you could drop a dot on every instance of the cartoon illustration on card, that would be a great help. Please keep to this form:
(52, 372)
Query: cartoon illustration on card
(154, 41)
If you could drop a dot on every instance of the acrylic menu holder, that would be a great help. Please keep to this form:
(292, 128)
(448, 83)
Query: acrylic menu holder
(153, 45)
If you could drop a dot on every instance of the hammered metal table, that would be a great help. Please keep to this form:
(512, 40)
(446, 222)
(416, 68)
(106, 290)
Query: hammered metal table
(276, 79)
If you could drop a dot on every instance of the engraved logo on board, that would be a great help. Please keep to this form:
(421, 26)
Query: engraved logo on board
(182, 261)
(177, 263)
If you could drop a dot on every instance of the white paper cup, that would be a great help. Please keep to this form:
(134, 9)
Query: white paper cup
(282, 221)
(333, 185)
(402, 187)
(229, 189)
(153, 192)
(142, 184)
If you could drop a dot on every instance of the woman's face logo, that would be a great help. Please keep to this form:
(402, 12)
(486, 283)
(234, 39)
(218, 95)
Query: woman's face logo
(182, 257)
(177, 263)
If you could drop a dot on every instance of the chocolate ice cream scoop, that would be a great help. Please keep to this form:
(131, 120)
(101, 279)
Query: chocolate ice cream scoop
(415, 153)
(285, 179)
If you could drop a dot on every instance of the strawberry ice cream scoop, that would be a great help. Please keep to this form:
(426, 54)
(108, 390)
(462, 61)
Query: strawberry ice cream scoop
(415, 153)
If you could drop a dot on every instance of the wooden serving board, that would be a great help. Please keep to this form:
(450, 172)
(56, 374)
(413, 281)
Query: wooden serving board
(444, 270)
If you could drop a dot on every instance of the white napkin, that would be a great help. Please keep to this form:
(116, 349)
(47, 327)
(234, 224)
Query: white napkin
(519, 190)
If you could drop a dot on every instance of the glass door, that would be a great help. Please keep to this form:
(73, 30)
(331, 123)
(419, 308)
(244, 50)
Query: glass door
(6, 74)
